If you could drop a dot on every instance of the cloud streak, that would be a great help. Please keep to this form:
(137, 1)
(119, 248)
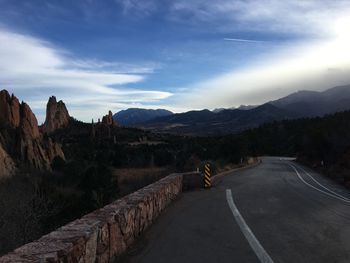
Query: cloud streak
(244, 40)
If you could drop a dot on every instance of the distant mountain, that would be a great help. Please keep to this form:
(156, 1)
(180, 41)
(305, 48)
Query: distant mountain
(313, 103)
(134, 116)
(218, 110)
(206, 122)
(247, 107)
(223, 121)
(242, 107)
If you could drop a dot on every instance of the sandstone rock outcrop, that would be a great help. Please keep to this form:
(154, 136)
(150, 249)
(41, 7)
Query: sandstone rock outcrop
(57, 115)
(9, 109)
(28, 123)
(7, 165)
(20, 138)
(108, 119)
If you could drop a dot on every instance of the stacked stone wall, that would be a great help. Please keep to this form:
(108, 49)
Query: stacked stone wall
(104, 234)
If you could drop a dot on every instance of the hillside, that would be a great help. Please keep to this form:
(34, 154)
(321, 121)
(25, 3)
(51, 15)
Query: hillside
(134, 116)
(321, 142)
(312, 103)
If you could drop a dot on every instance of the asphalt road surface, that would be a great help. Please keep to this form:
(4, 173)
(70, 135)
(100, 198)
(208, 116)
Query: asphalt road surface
(278, 211)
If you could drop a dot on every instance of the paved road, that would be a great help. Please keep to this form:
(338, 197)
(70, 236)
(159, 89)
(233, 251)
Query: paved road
(279, 212)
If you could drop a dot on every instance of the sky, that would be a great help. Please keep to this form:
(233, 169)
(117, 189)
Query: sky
(100, 55)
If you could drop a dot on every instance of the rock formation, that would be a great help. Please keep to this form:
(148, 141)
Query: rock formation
(9, 109)
(57, 116)
(20, 138)
(108, 119)
(28, 123)
(7, 165)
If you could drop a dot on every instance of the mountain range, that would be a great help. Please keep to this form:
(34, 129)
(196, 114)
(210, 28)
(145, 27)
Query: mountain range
(300, 104)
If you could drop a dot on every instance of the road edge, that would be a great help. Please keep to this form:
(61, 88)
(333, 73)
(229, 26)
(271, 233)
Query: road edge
(219, 176)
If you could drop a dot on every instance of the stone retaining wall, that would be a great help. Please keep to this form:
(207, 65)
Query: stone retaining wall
(105, 233)
(192, 180)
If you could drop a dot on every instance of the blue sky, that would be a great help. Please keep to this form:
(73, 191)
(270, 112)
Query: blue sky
(180, 55)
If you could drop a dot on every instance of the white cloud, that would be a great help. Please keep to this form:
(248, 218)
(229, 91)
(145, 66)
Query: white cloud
(139, 7)
(33, 69)
(243, 40)
(115, 66)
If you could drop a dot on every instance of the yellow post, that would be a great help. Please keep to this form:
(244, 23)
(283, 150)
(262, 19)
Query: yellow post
(207, 176)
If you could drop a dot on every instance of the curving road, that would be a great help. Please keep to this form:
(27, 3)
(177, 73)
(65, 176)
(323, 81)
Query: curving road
(278, 211)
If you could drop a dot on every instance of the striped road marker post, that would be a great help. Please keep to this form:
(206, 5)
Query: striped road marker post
(207, 176)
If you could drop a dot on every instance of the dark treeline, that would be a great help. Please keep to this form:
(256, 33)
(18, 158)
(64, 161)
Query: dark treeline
(323, 143)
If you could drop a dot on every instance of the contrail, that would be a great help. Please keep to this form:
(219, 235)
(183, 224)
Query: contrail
(243, 40)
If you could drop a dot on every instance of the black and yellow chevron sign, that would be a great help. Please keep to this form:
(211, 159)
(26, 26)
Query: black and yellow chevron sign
(207, 176)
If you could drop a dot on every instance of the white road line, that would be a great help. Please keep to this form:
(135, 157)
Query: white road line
(253, 242)
(324, 187)
(317, 189)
